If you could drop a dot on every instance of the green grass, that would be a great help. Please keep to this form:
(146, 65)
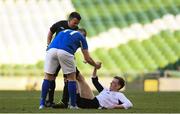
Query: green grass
(28, 101)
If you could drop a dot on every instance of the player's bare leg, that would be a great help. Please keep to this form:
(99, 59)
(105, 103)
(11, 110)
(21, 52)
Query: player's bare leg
(83, 88)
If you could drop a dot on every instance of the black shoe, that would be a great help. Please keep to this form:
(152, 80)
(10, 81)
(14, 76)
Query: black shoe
(60, 105)
(49, 104)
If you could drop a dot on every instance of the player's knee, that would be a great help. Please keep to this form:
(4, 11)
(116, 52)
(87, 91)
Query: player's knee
(80, 78)
(53, 78)
(49, 76)
(71, 76)
(65, 80)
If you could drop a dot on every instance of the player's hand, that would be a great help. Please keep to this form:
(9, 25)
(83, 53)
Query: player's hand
(85, 62)
(98, 65)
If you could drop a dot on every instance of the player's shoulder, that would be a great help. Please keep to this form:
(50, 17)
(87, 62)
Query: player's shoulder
(62, 22)
(76, 33)
(120, 94)
(81, 35)
(73, 33)
(105, 89)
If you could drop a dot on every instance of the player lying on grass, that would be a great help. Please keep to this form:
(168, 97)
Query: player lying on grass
(107, 98)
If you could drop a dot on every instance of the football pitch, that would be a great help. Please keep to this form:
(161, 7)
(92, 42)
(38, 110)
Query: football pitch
(150, 102)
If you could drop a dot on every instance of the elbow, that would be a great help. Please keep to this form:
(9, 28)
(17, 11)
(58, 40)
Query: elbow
(128, 105)
(87, 59)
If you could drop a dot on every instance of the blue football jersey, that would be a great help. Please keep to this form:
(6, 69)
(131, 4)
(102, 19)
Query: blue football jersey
(69, 40)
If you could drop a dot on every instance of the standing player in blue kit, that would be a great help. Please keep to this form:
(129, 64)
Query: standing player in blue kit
(61, 52)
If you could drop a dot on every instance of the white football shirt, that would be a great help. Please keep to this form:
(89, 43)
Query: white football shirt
(109, 98)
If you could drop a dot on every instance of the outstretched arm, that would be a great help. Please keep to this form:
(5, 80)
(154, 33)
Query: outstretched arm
(95, 81)
(89, 60)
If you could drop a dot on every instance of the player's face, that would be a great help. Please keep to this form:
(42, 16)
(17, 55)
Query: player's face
(114, 85)
(73, 23)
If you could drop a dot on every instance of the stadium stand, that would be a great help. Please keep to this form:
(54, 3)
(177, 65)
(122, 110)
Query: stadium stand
(145, 33)
(25, 24)
(139, 54)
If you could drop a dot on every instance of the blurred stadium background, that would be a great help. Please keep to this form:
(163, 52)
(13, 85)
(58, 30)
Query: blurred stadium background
(137, 39)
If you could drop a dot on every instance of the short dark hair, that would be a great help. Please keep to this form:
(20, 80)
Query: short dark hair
(83, 31)
(120, 81)
(74, 15)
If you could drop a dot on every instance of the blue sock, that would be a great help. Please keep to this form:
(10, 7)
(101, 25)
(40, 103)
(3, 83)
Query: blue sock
(45, 89)
(51, 91)
(72, 92)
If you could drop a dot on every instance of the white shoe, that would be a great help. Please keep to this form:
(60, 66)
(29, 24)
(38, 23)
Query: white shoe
(41, 107)
(73, 107)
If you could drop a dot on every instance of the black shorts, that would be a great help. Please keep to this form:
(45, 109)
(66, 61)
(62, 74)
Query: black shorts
(58, 69)
(87, 103)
